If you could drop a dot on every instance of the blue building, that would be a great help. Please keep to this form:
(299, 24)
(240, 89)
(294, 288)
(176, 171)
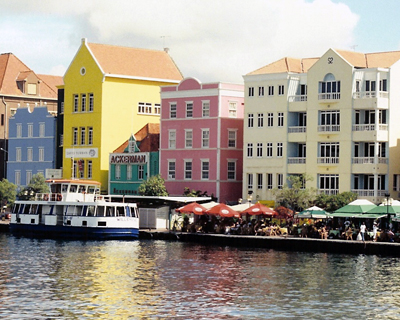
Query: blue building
(31, 144)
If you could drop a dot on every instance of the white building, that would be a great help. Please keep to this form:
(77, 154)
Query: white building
(333, 117)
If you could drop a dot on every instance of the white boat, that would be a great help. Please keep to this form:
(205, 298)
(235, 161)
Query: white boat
(75, 209)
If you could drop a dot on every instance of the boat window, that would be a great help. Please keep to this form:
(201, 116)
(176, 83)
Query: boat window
(91, 189)
(128, 211)
(53, 188)
(16, 208)
(100, 211)
(51, 209)
(84, 211)
(82, 189)
(34, 208)
(135, 212)
(73, 188)
(26, 209)
(120, 212)
(78, 211)
(70, 210)
(64, 188)
(21, 209)
(110, 212)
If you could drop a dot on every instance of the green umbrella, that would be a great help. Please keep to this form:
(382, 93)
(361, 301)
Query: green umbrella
(356, 207)
(313, 213)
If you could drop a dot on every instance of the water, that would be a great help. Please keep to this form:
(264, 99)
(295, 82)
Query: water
(48, 279)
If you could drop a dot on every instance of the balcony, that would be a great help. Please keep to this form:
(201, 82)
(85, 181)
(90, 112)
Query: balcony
(329, 192)
(369, 193)
(296, 160)
(329, 128)
(329, 96)
(297, 98)
(370, 132)
(371, 99)
(297, 103)
(297, 129)
(369, 160)
(328, 160)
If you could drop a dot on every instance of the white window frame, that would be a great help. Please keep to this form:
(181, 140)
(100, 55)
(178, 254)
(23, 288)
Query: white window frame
(30, 130)
(82, 136)
(261, 91)
(232, 136)
(279, 180)
(89, 169)
(260, 120)
(42, 128)
(251, 91)
(188, 138)
(172, 110)
(171, 139)
(91, 102)
(140, 172)
(76, 102)
(231, 170)
(129, 172)
(279, 149)
(157, 108)
(205, 169)
(205, 138)
(269, 150)
(41, 154)
(19, 130)
(260, 181)
(117, 172)
(74, 136)
(171, 169)
(29, 154)
(28, 176)
(280, 119)
(17, 175)
(270, 90)
(250, 181)
(90, 136)
(250, 150)
(250, 120)
(83, 102)
(188, 169)
(189, 109)
(232, 109)
(281, 90)
(206, 109)
(259, 149)
(18, 154)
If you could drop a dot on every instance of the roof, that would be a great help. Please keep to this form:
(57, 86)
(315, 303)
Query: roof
(147, 137)
(356, 59)
(134, 62)
(12, 70)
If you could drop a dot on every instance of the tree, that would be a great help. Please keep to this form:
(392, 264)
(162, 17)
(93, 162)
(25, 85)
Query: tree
(333, 202)
(194, 193)
(36, 185)
(294, 194)
(8, 192)
(155, 186)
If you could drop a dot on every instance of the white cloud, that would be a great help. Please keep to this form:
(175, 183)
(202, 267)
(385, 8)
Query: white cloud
(211, 40)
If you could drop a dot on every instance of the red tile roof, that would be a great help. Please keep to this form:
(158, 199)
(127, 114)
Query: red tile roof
(148, 136)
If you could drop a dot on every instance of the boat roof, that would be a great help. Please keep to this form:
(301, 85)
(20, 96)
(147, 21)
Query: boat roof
(73, 181)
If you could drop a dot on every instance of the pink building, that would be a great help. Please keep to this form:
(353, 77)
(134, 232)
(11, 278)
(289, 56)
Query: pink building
(202, 138)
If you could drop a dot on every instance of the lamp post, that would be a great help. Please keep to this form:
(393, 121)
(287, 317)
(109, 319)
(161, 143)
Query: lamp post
(387, 195)
(5, 160)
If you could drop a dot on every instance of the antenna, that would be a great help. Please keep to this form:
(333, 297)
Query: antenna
(164, 41)
(354, 46)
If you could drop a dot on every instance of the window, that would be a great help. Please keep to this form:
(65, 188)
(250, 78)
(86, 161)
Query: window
(81, 168)
(396, 182)
(383, 85)
(250, 120)
(83, 102)
(206, 109)
(259, 149)
(91, 102)
(251, 91)
(61, 140)
(18, 154)
(249, 150)
(28, 177)
(279, 149)
(19, 130)
(74, 136)
(269, 181)
(329, 183)
(172, 139)
(370, 85)
(41, 154)
(90, 136)
(144, 108)
(30, 130)
(259, 180)
(232, 109)
(62, 107)
(140, 172)
(231, 138)
(260, 91)
(189, 110)
(18, 177)
(89, 169)
(270, 119)
(129, 172)
(188, 138)
(260, 120)
(250, 181)
(329, 88)
(329, 152)
(83, 136)
(231, 170)
(76, 103)
(172, 110)
(269, 150)
(41, 129)
(281, 90)
(205, 140)
(279, 179)
(329, 120)
(117, 172)
(271, 90)
(188, 169)
(171, 169)
(29, 154)
(280, 119)
(205, 169)
(157, 108)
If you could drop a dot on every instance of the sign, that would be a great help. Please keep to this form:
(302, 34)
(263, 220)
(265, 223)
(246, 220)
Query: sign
(82, 153)
(128, 158)
(268, 203)
(53, 174)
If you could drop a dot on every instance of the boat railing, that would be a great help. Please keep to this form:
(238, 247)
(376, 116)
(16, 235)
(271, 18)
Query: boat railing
(48, 197)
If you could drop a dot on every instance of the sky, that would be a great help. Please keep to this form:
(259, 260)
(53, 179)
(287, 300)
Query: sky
(211, 40)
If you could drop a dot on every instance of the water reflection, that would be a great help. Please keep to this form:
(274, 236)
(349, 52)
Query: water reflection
(47, 279)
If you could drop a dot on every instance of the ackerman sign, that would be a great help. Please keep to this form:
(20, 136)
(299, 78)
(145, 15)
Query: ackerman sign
(130, 158)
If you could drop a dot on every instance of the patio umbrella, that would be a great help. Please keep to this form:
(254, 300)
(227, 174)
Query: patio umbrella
(384, 209)
(223, 210)
(241, 206)
(260, 209)
(313, 213)
(209, 205)
(193, 207)
(356, 207)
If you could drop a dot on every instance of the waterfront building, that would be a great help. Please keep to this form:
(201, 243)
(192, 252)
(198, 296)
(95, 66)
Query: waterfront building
(201, 138)
(333, 118)
(21, 87)
(31, 144)
(135, 161)
(109, 92)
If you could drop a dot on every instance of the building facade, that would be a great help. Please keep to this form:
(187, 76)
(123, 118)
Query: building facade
(333, 118)
(109, 92)
(31, 144)
(201, 138)
(135, 161)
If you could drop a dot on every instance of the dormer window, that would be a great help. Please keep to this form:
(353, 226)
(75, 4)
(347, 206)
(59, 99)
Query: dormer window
(329, 88)
(32, 88)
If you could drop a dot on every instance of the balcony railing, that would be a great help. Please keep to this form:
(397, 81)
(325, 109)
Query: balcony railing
(328, 160)
(370, 94)
(369, 127)
(297, 129)
(369, 160)
(296, 160)
(297, 98)
(329, 96)
(329, 192)
(369, 193)
(329, 128)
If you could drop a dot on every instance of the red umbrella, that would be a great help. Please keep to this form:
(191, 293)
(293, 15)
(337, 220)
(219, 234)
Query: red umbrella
(193, 207)
(258, 209)
(223, 210)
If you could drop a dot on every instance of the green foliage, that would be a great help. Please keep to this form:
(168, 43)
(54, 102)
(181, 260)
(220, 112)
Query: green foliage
(8, 192)
(155, 186)
(194, 193)
(37, 185)
(294, 194)
(331, 203)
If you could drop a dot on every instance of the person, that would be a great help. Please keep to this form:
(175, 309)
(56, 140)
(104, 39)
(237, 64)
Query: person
(363, 228)
(374, 230)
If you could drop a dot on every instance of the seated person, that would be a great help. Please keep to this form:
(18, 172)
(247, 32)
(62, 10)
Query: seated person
(349, 234)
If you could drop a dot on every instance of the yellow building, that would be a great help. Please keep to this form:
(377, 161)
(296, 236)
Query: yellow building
(333, 118)
(109, 92)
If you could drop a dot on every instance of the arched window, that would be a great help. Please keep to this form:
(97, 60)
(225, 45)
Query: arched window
(329, 88)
